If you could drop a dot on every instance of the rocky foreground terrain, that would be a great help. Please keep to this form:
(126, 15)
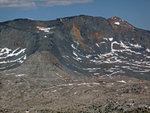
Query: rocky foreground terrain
(78, 64)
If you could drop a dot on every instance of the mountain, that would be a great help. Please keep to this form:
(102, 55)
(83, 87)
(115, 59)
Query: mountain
(82, 52)
(83, 44)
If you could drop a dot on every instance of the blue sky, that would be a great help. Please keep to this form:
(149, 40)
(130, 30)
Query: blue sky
(136, 12)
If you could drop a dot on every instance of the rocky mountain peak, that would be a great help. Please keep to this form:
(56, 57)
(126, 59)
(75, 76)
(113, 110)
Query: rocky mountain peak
(118, 22)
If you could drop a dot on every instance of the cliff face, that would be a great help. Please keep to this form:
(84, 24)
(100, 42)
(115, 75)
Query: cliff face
(74, 64)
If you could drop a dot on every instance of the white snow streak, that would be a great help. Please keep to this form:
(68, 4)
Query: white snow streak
(44, 29)
(117, 23)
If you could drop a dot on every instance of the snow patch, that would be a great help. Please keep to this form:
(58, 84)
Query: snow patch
(97, 45)
(64, 85)
(122, 81)
(88, 56)
(136, 45)
(123, 45)
(92, 69)
(88, 84)
(11, 56)
(20, 75)
(117, 23)
(106, 39)
(127, 54)
(45, 36)
(65, 56)
(72, 45)
(44, 29)
(96, 74)
(76, 56)
(74, 53)
(111, 39)
(148, 50)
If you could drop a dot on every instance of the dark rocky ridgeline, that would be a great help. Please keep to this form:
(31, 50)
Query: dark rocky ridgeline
(53, 63)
